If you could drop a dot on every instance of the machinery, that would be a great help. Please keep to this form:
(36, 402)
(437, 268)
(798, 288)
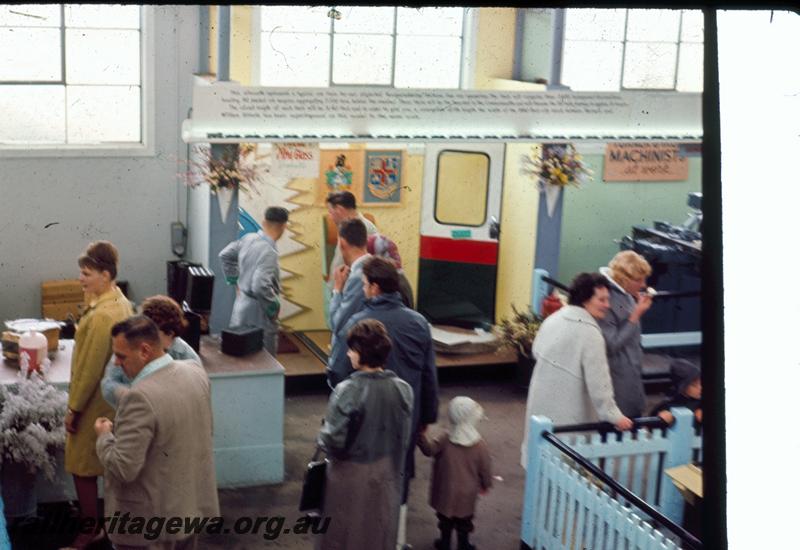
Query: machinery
(674, 253)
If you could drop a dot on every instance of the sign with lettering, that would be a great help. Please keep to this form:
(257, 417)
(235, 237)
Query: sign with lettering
(645, 162)
(295, 160)
(225, 112)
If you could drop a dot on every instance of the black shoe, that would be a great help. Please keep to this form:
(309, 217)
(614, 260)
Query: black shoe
(440, 544)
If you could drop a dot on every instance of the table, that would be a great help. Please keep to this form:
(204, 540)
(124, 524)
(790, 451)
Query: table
(247, 402)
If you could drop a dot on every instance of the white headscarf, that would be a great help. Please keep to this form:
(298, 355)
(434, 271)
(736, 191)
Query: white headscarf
(465, 413)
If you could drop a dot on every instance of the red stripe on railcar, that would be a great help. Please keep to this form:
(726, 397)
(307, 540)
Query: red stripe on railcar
(458, 250)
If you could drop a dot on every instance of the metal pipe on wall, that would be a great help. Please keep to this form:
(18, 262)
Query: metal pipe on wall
(223, 43)
(557, 52)
(202, 57)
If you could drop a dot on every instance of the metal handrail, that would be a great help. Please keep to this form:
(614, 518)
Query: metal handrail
(683, 534)
(607, 427)
(658, 294)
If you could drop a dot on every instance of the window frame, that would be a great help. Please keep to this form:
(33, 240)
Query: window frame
(485, 198)
(144, 148)
(465, 70)
(678, 43)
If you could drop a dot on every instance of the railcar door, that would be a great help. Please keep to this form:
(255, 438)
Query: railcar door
(459, 233)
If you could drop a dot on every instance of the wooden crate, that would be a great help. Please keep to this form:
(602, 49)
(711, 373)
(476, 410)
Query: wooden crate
(62, 298)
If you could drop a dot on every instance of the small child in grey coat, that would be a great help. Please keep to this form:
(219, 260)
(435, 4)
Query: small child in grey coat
(462, 468)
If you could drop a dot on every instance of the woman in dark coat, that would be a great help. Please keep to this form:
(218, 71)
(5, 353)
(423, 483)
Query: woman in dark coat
(366, 432)
(627, 273)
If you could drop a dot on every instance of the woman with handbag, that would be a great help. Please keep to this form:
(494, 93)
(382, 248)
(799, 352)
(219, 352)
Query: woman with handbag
(366, 430)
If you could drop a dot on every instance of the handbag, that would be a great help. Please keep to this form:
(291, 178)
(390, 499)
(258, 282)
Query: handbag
(313, 494)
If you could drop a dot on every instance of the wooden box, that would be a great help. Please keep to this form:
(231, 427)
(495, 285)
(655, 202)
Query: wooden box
(63, 298)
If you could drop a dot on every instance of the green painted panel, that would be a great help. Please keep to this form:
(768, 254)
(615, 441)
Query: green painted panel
(599, 213)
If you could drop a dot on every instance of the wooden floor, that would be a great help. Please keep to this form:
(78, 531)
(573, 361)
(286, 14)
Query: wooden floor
(305, 362)
(301, 363)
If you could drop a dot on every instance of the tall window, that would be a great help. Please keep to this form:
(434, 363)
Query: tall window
(70, 74)
(375, 46)
(626, 49)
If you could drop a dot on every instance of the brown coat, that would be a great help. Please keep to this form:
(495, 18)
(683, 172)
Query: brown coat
(159, 461)
(89, 358)
(458, 474)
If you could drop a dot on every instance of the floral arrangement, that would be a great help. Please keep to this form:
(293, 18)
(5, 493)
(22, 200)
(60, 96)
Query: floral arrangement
(559, 165)
(32, 423)
(519, 330)
(237, 167)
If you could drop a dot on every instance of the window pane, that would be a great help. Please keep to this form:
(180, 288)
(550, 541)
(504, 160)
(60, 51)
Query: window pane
(362, 59)
(32, 114)
(97, 114)
(295, 19)
(100, 16)
(690, 68)
(436, 21)
(103, 57)
(427, 62)
(653, 25)
(462, 183)
(692, 26)
(294, 59)
(650, 65)
(19, 61)
(592, 66)
(30, 15)
(357, 19)
(594, 24)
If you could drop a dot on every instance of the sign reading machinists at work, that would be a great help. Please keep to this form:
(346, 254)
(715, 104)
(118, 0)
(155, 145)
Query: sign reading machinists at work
(645, 162)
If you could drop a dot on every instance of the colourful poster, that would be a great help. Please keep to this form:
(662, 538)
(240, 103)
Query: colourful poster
(341, 170)
(383, 179)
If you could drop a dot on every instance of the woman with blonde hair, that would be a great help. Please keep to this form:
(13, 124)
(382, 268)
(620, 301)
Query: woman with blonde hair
(627, 274)
(107, 306)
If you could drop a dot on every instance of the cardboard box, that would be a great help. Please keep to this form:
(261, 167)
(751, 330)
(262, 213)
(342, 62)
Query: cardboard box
(62, 298)
(689, 481)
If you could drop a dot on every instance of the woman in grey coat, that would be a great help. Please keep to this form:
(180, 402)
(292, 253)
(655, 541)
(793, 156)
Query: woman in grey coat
(571, 383)
(627, 273)
(366, 432)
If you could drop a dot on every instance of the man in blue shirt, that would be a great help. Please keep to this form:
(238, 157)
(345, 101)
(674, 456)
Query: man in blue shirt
(348, 292)
(251, 263)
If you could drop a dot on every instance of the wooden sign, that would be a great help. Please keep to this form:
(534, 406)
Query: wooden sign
(645, 162)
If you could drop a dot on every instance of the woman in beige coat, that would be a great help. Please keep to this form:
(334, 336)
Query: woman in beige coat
(107, 306)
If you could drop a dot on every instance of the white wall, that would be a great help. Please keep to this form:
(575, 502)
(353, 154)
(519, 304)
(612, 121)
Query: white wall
(127, 200)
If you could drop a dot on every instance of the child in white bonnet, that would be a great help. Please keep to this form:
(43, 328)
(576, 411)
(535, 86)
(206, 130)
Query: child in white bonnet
(461, 469)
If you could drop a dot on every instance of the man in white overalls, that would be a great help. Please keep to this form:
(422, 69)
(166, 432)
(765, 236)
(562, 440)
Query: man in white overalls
(251, 263)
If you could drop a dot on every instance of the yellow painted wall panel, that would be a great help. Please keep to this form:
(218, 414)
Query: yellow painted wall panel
(518, 222)
(495, 45)
(241, 44)
(401, 224)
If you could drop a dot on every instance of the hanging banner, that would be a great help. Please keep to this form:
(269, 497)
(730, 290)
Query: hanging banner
(225, 112)
(383, 179)
(295, 160)
(645, 162)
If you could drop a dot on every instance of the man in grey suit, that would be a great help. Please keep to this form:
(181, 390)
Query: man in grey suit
(251, 263)
(158, 455)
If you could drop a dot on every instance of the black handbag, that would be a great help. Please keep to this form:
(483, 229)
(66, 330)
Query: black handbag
(313, 494)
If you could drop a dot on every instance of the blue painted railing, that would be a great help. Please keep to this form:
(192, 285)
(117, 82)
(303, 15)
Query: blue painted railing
(5, 543)
(565, 507)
